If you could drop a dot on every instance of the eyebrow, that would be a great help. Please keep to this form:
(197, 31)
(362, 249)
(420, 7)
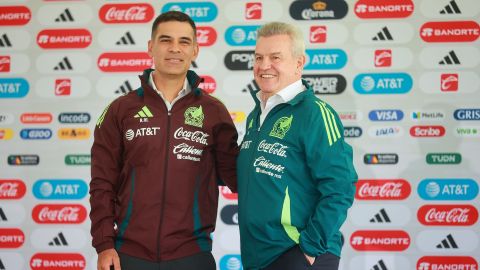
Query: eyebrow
(167, 36)
(274, 53)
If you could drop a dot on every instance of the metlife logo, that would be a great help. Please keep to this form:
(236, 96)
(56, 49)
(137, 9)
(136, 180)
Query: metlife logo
(60, 189)
(454, 189)
(198, 11)
(383, 83)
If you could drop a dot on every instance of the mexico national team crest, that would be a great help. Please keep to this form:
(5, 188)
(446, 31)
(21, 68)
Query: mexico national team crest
(194, 116)
(281, 127)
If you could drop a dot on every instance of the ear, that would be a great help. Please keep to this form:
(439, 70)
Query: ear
(300, 63)
(150, 48)
(196, 49)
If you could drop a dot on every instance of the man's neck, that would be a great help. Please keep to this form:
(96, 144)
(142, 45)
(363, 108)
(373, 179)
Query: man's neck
(170, 86)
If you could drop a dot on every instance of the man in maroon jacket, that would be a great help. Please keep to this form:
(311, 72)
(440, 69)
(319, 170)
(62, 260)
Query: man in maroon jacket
(158, 155)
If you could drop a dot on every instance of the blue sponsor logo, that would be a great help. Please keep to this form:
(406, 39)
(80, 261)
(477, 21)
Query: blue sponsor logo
(383, 83)
(325, 59)
(71, 118)
(198, 11)
(385, 115)
(13, 88)
(467, 114)
(35, 133)
(448, 189)
(231, 262)
(241, 35)
(60, 189)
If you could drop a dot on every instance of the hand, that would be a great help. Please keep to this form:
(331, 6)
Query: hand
(310, 260)
(108, 257)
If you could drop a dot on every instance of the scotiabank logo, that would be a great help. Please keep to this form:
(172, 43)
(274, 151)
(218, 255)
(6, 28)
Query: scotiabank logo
(427, 131)
(458, 31)
(11, 238)
(228, 194)
(59, 213)
(208, 84)
(64, 38)
(380, 240)
(36, 118)
(58, 261)
(12, 189)
(372, 189)
(206, 35)
(446, 262)
(447, 215)
(126, 13)
(15, 15)
(373, 9)
(124, 62)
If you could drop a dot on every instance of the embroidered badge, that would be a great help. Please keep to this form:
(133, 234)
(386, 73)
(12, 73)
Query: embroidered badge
(281, 127)
(194, 116)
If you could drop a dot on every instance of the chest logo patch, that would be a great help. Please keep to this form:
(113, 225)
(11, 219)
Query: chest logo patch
(194, 116)
(281, 127)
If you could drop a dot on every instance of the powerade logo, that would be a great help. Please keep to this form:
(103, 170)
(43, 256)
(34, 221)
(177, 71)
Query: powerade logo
(454, 189)
(325, 59)
(36, 133)
(352, 132)
(241, 35)
(318, 10)
(383, 83)
(74, 118)
(240, 60)
(198, 11)
(326, 84)
(385, 115)
(467, 114)
(13, 88)
(231, 262)
(60, 189)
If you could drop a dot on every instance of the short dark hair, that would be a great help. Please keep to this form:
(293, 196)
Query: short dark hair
(174, 16)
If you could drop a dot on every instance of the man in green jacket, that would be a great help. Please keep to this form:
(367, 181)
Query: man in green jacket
(296, 178)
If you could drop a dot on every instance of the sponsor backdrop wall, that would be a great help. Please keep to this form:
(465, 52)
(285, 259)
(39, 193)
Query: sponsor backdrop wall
(403, 75)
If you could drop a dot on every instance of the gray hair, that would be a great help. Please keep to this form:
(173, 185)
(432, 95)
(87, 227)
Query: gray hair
(280, 28)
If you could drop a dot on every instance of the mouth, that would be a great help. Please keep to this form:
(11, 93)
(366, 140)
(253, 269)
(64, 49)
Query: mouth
(174, 60)
(267, 76)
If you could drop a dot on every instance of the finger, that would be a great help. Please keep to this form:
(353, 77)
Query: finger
(116, 263)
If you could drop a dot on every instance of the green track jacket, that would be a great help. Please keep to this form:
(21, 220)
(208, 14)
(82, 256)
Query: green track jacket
(296, 181)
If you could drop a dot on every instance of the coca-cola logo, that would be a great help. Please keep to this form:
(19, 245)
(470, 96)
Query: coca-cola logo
(58, 261)
(373, 9)
(193, 136)
(456, 31)
(126, 13)
(124, 62)
(11, 238)
(64, 38)
(380, 240)
(206, 35)
(15, 15)
(427, 131)
(59, 213)
(447, 215)
(395, 189)
(446, 262)
(12, 189)
(208, 84)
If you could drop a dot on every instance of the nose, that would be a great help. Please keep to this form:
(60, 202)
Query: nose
(264, 63)
(174, 47)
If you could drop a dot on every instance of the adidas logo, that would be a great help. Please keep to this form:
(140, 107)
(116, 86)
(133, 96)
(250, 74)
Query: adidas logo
(448, 242)
(144, 112)
(2, 267)
(379, 266)
(125, 88)
(65, 16)
(3, 217)
(4, 41)
(450, 59)
(252, 86)
(384, 34)
(451, 8)
(127, 39)
(381, 217)
(63, 65)
(59, 240)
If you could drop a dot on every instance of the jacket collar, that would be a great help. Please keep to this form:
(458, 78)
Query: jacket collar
(193, 80)
(299, 97)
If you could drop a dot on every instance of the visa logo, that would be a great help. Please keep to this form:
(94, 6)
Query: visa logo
(198, 11)
(385, 115)
(60, 189)
(13, 87)
(325, 59)
(241, 35)
(383, 83)
(448, 189)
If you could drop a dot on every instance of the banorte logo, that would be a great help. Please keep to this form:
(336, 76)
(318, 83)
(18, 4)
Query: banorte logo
(455, 31)
(58, 261)
(228, 194)
(59, 213)
(206, 36)
(427, 131)
(15, 15)
(374, 189)
(208, 84)
(380, 240)
(447, 215)
(12, 189)
(126, 13)
(374, 9)
(124, 62)
(11, 238)
(446, 262)
(64, 38)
